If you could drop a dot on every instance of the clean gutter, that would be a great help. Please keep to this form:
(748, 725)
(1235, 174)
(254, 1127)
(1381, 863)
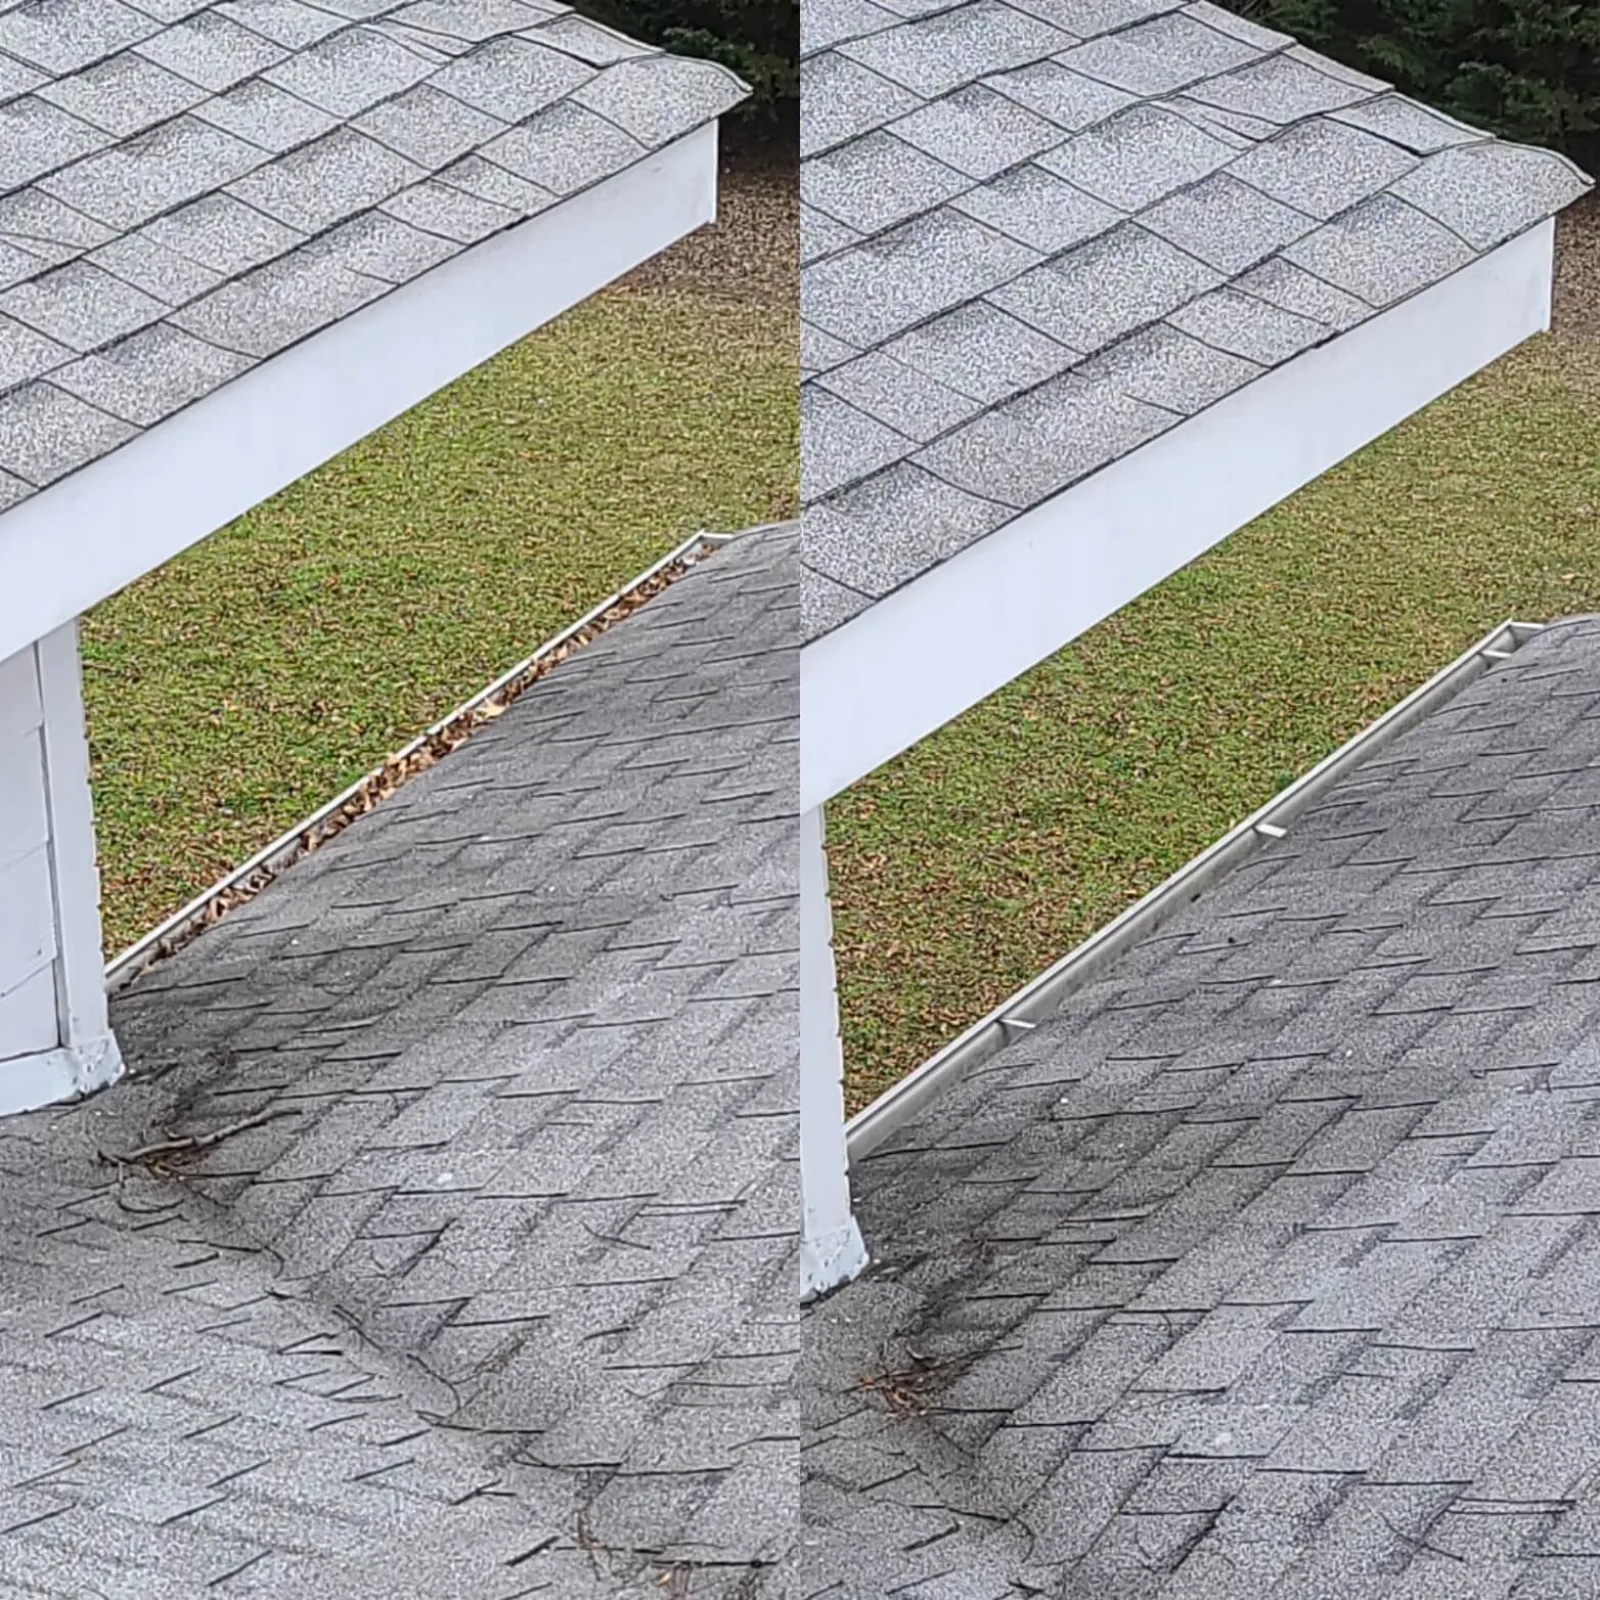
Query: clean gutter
(1015, 1017)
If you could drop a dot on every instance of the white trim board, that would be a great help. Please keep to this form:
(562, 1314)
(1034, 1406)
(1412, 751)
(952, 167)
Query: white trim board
(831, 1251)
(930, 650)
(71, 545)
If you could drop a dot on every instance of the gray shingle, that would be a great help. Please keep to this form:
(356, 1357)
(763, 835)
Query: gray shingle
(153, 269)
(124, 95)
(1106, 288)
(276, 305)
(659, 98)
(901, 278)
(1067, 98)
(1155, 57)
(26, 354)
(1382, 251)
(1290, 288)
(1165, 367)
(829, 22)
(1038, 209)
(37, 137)
(512, 78)
(15, 264)
(380, 246)
(937, 53)
(448, 212)
(908, 401)
(877, 181)
(590, 41)
(474, 20)
(266, 117)
(80, 305)
(223, 234)
(1488, 192)
(150, 375)
(821, 236)
(132, 182)
(824, 604)
(62, 36)
(840, 100)
(976, 131)
(1405, 123)
(45, 433)
(819, 350)
(1322, 167)
(564, 149)
(839, 444)
(211, 51)
(1138, 157)
(291, 23)
(483, 179)
(872, 538)
(1278, 89)
(428, 127)
(1226, 223)
(1027, 449)
(1246, 326)
(48, 225)
(1088, 18)
(322, 183)
(980, 351)
(350, 72)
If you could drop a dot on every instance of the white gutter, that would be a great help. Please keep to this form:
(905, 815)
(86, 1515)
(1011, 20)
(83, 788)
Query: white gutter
(1047, 992)
(266, 864)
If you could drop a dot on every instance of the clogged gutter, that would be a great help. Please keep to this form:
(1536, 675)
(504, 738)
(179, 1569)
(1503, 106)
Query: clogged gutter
(425, 751)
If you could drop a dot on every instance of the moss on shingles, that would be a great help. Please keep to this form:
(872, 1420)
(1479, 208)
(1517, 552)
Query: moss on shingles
(247, 681)
(975, 860)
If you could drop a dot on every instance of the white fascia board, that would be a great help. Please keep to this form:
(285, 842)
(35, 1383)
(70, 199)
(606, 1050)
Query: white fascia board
(925, 653)
(71, 545)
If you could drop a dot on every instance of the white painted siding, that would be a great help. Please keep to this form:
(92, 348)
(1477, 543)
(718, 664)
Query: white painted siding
(28, 1014)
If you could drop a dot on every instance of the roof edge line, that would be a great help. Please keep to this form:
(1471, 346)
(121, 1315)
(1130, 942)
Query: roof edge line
(1043, 994)
(297, 840)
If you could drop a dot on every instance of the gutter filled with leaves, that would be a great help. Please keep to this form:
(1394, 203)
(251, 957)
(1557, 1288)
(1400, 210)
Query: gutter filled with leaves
(426, 750)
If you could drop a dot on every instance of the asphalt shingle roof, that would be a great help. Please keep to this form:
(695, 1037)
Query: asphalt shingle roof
(1269, 1267)
(188, 188)
(494, 1293)
(1036, 235)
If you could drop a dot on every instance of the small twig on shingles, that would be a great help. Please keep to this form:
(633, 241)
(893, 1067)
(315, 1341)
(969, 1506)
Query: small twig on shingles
(189, 1143)
(675, 1580)
(590, 1545)
(611, 1238)
(1420, 1542)
(909, 1390)
(120, 1183)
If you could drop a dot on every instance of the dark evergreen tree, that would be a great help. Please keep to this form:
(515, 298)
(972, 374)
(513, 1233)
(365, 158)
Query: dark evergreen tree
(1527, 69)
(759, 39)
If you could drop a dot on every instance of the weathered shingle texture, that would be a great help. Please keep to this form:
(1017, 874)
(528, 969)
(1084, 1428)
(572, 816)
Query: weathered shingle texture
(493, 1294)
(189, 187)
(1036, 235)
(1269, 1267)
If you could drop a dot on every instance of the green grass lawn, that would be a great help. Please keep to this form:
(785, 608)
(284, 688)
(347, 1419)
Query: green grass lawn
(246, 682)
(974, 861)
